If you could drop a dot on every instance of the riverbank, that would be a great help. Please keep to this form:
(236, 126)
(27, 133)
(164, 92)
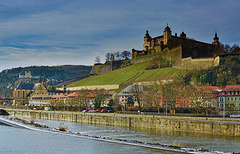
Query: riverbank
(217, 126)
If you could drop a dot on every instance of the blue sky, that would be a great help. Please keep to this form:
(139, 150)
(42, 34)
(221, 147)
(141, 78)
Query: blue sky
(58, 32)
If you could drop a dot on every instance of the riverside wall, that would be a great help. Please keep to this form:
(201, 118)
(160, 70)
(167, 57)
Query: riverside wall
(199, 125)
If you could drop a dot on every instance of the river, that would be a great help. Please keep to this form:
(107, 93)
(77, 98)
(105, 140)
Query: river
(19, 140)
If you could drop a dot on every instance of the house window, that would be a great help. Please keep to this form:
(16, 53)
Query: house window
(231, 99)
(235, 98)
(18, 94)
(235, 104)
(221, 105)
(236, 93)
(221, 99)
(228, 98)
(23, 94)
(228, 93)
(232, 92)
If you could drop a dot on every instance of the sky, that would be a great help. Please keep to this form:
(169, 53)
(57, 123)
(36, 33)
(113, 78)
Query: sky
(63, 32)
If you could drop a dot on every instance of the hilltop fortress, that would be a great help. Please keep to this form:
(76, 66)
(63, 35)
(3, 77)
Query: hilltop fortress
(182, 51)
(191, 47)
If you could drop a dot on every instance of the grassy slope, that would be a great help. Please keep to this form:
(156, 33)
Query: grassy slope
(130, 74)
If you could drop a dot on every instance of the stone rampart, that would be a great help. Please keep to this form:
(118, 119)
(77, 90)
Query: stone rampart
(199, 125)
(101, 68)
(202, 63)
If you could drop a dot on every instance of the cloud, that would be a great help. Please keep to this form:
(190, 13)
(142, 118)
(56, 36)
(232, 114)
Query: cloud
(75, 32)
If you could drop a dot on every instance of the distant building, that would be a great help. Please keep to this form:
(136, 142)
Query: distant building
(23, 92)
(27, 75)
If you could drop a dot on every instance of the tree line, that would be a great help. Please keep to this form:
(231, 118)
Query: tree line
(115, 56)
(9, 78)
(172, 96)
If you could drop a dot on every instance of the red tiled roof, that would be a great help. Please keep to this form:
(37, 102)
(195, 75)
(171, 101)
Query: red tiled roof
(214, 88)
(73, 94)
(232, 88)
(2, 97)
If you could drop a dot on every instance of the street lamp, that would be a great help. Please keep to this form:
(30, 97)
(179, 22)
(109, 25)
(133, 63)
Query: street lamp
(224, 107)
(166, 106)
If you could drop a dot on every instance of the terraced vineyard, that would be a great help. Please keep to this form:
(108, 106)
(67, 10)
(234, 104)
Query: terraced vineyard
(133, 73)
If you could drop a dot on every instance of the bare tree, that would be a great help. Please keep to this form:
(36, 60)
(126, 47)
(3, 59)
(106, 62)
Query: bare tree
(117, 55)
(227, 47)
(198, 99)
(146, 97)
(151, 97)
(83, 98)
(100, 96)
(112, 57)
(108, 56)
(136, 91)
(125, 55)
(97, 59)
(171, 95)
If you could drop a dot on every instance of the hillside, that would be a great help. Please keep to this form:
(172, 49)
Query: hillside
(227, 73)
(129, 74)
(54, 74)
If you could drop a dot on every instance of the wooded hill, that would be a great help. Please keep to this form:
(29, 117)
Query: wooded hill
(9, 78)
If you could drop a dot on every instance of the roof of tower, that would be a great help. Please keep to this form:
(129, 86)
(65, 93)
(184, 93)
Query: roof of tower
(216, 37)
(167, 28)
(182, 34)
(147, 35)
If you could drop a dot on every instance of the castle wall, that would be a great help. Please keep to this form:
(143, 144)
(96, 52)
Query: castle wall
(201, 63)
(173, 55)
(102, 68)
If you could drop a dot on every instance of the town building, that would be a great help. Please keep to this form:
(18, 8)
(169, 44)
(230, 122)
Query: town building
(127, 98)
(209, 94)
(229, 98)
(24, 91)
(40, 100)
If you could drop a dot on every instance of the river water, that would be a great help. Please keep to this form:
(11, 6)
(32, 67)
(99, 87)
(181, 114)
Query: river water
(19, 140)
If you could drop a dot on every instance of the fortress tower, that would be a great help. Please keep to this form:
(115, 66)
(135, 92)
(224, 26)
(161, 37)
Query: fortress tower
(216, 40)
(167, 34)
(147, 41)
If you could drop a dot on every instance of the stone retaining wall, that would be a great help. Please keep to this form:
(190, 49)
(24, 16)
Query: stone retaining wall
(106, 87)
(200, 125)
